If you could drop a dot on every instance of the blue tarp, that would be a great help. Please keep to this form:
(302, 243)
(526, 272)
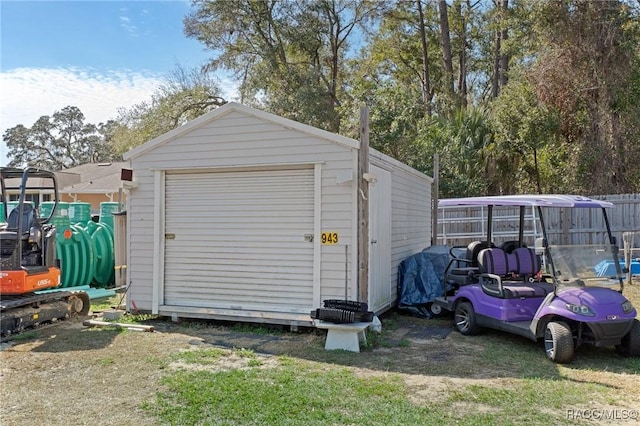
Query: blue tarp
(421, 279)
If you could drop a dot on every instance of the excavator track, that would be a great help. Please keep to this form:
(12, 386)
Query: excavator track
(18, 313)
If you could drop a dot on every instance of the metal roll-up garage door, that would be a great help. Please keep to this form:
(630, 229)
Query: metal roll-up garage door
(236, 240)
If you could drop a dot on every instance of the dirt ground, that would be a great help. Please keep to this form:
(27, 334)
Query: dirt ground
(71, 374)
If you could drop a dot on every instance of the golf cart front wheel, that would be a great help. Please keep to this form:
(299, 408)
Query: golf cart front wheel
(630, 345)
(465, 319)
(558, 342)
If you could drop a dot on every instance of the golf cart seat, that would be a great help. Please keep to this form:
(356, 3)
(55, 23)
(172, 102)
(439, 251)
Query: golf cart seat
(464, 270)
(510, 275)
(527, 261)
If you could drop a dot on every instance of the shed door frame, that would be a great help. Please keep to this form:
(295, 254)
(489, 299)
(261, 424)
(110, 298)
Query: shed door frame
(159, 222)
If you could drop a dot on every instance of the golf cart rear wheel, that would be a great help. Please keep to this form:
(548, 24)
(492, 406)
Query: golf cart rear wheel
(630, 345)
(558, 342)
(465, 319)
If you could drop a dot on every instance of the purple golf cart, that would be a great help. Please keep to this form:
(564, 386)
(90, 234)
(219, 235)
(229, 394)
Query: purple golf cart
(565, 294)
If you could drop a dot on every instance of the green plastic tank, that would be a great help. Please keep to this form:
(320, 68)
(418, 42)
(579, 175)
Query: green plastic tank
(45, 208)
(77, 257)
(85, 248)
(79, 212)
(106, 212)
(102, 238)
(74, 247)
(60, 217)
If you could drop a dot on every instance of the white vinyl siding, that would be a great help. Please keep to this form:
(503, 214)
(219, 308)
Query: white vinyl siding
(140, 233)
(237, 239)
(235, 139)
(410, 213)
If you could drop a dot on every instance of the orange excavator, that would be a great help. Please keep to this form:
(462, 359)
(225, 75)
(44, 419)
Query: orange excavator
(29, 267)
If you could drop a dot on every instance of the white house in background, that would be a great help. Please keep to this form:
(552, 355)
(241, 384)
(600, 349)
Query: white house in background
(225, 218)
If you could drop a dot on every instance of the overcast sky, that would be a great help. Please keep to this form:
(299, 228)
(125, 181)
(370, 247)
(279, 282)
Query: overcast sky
(97, 55)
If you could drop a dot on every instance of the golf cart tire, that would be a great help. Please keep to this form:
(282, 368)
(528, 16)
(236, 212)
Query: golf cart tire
(630, 345)
(465, 319)
(558, 342)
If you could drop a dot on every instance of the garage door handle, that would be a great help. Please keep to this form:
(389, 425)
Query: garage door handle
(374, 241)
(169, 236)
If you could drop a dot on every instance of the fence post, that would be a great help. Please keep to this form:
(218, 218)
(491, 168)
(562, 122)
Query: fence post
(566, 219)
(627, 247)
(435, 194)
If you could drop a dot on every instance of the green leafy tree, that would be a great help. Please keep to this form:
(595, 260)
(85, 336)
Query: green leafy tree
(407, 79)
(398, 113)
(184, 96)
(58, 142)
(513, 95)
(527, 144)
(288, 55)
(464, 144)
(393, 77)
(394, 94)
(587, 69)
(466, 156)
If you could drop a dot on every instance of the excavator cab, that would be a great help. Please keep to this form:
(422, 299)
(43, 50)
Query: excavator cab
(27, 242)
(37, 241)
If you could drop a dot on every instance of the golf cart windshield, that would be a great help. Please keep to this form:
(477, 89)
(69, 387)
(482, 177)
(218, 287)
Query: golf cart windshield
(590, 265)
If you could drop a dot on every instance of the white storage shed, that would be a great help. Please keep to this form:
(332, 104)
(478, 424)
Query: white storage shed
(245, 215)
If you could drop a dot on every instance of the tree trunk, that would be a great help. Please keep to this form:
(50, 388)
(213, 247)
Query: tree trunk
(500, 59)
(495, 86)
(537, 170)
(462, 72)
(426, 83)
(445, 41)
(504, 35)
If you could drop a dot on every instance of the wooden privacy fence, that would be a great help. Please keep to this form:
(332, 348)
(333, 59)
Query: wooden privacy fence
(459, 225)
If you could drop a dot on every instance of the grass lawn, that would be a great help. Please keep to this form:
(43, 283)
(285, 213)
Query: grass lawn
(417, 371)
(492, 379)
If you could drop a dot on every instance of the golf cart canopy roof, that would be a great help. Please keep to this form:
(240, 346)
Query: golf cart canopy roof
(552, 200)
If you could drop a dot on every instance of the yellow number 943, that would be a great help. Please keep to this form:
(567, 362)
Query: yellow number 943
(329, 238)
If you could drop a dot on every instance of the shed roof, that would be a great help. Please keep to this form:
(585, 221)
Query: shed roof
(230, 107)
